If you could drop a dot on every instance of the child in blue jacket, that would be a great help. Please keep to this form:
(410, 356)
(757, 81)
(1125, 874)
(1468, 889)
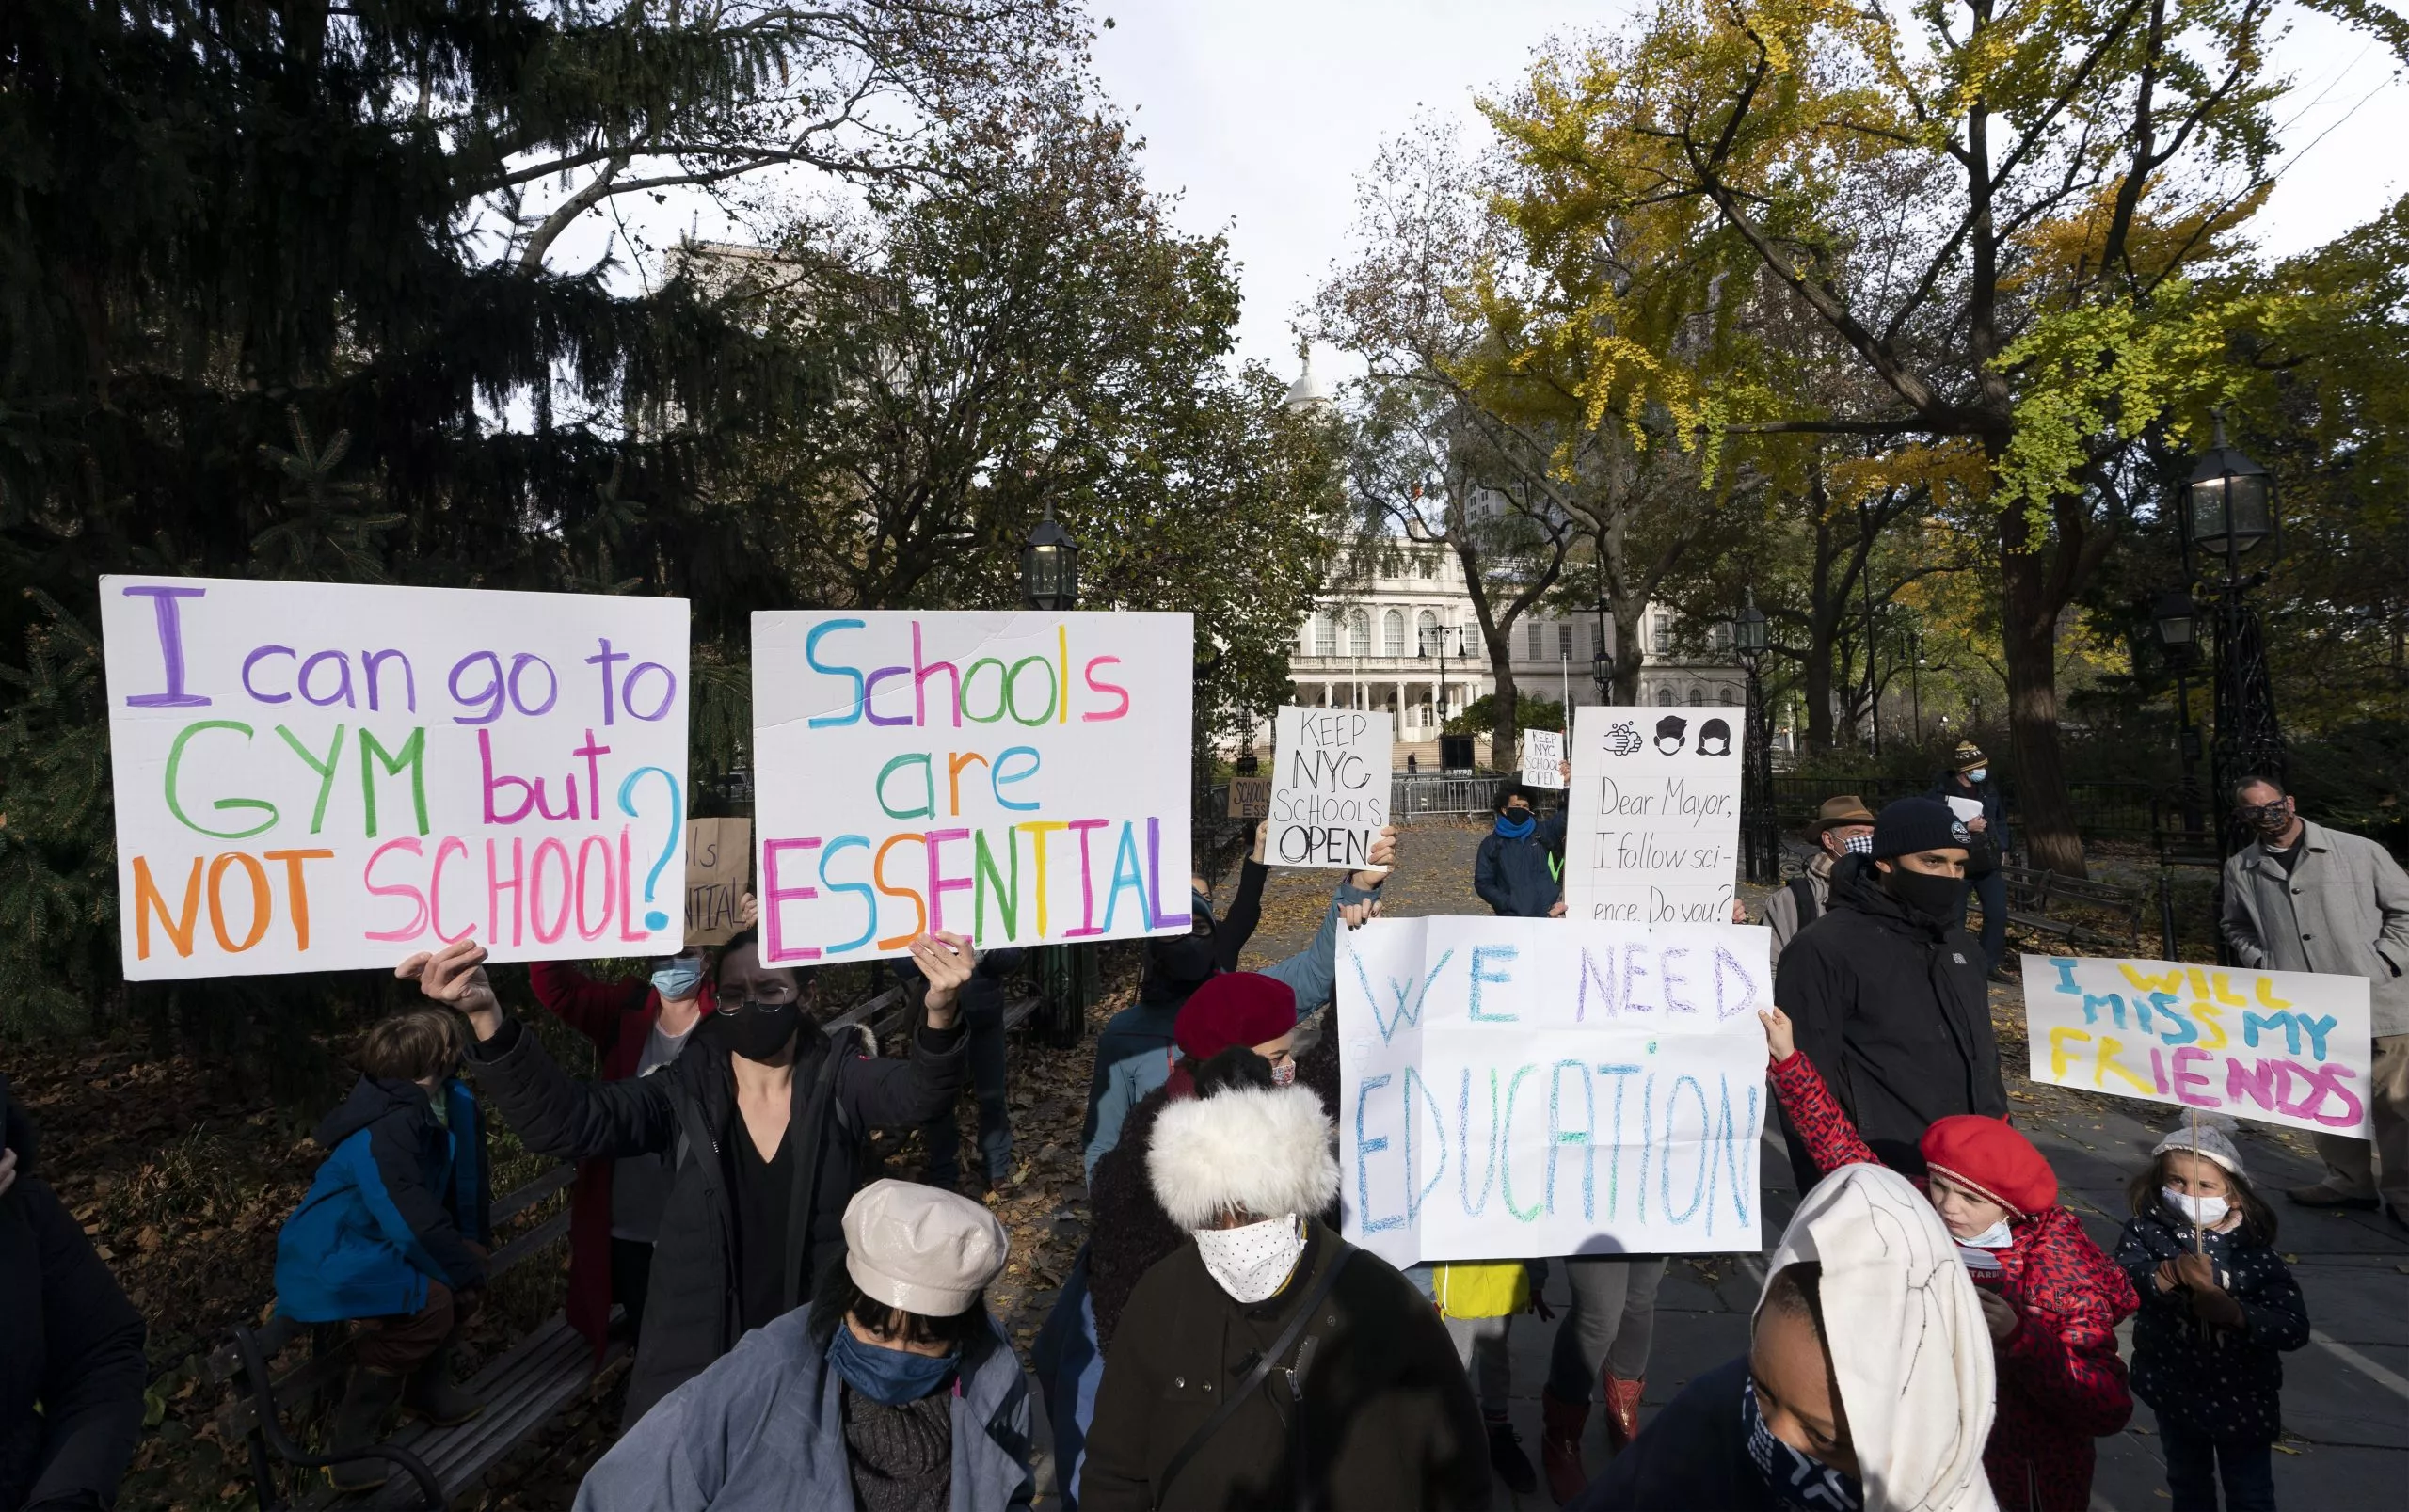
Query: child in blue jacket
(393, 1234)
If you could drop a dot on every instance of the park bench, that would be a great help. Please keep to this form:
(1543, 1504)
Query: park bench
(884, 1014)
(2048, 903)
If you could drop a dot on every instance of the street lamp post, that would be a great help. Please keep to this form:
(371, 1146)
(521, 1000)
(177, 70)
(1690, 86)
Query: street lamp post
(1068, 978)
(2227, 517)
(1760, 831)
(1601, 665)
(2177, 623)
(1050, 567)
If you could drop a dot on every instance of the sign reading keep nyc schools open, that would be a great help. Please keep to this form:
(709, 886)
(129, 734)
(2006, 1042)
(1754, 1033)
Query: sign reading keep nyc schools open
(1652, 819)
(1329, 787)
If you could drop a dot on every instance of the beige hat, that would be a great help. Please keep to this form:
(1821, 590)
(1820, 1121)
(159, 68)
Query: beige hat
(922, 1248)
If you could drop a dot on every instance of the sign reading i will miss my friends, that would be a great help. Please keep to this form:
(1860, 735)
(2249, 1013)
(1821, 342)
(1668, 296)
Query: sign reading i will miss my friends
(1022, 778)
(1329, 791)
(1652, 819)
(323, 776)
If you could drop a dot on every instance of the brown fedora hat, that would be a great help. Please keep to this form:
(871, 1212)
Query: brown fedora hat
(1847, 808)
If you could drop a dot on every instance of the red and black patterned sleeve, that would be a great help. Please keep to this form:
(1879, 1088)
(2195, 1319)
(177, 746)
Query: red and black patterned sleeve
(1831, 1138)
(2063, 1349)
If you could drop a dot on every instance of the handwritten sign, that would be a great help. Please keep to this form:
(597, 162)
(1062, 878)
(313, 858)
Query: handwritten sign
(323, 776)
(1022, 778)
(718, 862)
(1652, 820)
(1250, 798)
(1542, 758)
(1530, 1087)
(1330, 788)
(2287, 1047)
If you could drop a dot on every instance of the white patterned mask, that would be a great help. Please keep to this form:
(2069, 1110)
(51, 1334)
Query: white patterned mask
(1255, 1261)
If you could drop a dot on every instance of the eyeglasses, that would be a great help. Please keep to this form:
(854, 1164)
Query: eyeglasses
(771, 992)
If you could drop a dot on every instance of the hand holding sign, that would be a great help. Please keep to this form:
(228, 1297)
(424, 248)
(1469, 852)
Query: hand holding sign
(455, 977)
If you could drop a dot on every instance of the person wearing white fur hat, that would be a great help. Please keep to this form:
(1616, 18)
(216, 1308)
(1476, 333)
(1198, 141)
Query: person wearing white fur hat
(894, 1392)
(1267, 1362)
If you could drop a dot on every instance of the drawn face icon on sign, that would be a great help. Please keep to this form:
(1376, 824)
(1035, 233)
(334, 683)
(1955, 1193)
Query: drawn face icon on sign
(1714, 737)
(1668, 734)
(1622, 737)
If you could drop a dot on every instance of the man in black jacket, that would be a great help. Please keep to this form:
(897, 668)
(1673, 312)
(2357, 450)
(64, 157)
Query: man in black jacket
(1971, 781)
(1886, 989)
(763, 1117)
(1520, 871)
(71, 1345)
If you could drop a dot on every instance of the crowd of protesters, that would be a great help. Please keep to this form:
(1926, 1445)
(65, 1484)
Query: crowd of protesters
(1936, 1330)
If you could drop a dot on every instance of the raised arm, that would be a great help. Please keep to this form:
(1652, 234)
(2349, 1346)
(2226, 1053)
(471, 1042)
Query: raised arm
(1831, 1139)
(589, 1007)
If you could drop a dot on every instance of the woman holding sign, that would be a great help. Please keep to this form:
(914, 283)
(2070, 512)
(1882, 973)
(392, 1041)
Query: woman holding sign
(763, 1118)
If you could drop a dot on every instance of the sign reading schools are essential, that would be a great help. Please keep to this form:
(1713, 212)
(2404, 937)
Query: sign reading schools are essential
(1542, 758)
(1022, 778)
(1329, 787)
(2287, 1047)
(322, 776)
(1533, 1086)
(1652, 820)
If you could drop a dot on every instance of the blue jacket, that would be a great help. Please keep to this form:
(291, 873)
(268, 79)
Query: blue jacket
(1522, 879)
(395, 1205)
(764, 1428)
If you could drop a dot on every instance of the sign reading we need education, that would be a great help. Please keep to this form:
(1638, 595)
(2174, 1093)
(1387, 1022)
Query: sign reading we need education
(1330, 792)
(2288, 1047)
(1022, 778)
(1653, 818)
(1539, 1087)
(323, 776)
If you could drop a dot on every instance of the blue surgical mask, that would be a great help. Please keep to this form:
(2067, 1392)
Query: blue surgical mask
(888, 1376)
(679, 977)
(1516, 825)
(1978, 773)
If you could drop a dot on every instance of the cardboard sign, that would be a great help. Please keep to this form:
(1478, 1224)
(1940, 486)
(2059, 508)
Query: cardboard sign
(1330, 786)
(1542, 757)
(1019, 777)
(718, 862)
(1250, 798)
(1652, 820)
(2285, 1047)
(328, 776)
(1533, 1086)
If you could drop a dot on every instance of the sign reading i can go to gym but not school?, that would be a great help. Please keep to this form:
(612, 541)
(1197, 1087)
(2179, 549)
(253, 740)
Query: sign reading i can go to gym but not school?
(1541, 1087)
(2286, 1047)
(1330, 792)
(1652, 819)
(1021, 778)
(324, 776)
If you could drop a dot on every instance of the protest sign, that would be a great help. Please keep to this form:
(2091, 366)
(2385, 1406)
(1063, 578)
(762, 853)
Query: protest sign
(1652, 820)
(1542, 758)
(718, 862)
(2287, 1047)
(1330, 786)
(1019, 777)
(417, 766)
(1250, 798)
(1533, 1086)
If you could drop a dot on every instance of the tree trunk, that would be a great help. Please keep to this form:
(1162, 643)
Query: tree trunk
(1817, 676)
(2028, 633)
(1506, 735)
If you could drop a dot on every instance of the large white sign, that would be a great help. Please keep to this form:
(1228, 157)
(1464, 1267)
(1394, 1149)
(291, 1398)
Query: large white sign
(319, 776)
(1542, 758)
(1330, 786)
(1512, 1088)
(1652, 820)
(2288, 1047)
(1022, 778)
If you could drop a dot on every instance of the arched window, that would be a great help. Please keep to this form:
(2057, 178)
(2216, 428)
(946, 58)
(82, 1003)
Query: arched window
(1665, 698)
(1728, 696)
(1662, 634)
(1425, 631)
(1698, 696)
(1325, 636)
(1393, 633)
(1359, 634)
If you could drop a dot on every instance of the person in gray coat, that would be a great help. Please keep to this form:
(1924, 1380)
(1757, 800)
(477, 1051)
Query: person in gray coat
(1842, 826)
(895, 1391)
(2309, 899)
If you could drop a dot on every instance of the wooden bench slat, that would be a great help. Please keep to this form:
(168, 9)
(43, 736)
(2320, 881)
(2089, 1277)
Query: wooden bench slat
(1016, 1012)
(506, 1208)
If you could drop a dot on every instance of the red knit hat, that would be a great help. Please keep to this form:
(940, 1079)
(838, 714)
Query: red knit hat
(1988, 1157)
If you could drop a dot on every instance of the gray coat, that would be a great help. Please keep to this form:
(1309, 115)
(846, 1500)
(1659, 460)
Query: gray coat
(762, 1430)
(1781, 904)
(2344, 911)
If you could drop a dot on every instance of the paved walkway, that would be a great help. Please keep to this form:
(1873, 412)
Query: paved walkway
(2346, 1396)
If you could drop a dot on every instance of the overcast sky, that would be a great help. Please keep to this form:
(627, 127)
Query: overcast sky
(1261, 113)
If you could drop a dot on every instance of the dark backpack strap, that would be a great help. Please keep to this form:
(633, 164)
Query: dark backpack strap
(1803, 889)
(1255, 1378)
(815, 1110)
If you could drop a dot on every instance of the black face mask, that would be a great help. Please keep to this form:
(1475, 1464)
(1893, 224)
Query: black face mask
(1937, 897)
(1182, 963)
(757, 1031)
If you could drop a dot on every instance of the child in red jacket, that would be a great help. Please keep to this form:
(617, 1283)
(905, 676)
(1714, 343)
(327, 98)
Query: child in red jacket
(2053, 1299)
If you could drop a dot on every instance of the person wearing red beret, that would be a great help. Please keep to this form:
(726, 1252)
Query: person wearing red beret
(2052, 1298)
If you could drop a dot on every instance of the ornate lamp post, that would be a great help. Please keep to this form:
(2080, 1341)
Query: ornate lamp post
(1050, 565)
(1602, 666)
(2177, 623)
(2229, 519)
(1760, 831)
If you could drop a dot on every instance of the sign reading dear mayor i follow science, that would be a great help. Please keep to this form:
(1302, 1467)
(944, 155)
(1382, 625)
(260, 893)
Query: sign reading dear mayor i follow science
(1653, 818)
(1022, 778)
(323, 776)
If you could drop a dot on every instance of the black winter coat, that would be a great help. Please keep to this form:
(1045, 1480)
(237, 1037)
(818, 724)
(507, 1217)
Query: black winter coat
(1693, 1456)
(1990, 846)
(2228, 1383)
(694, 1305)
(71, 1370)
(1521, 879)
(1383, 1410)
(1892, 1007)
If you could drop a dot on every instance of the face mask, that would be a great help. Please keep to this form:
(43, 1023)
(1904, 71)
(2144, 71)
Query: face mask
(679, 979)
(1978, 773)
(2203, 1212)
(1976, 1252)
(1284, 1073)
(888, 1376)
(1252, 1263)
(2270, 820)
(1516, 825)
(1181, 962)
(1798, 1479)
(1936, 898)
(757, 1031)
(1859, 845)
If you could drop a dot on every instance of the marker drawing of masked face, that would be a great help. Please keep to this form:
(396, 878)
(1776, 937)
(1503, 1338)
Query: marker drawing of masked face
(1669, 733)
(1714, 737)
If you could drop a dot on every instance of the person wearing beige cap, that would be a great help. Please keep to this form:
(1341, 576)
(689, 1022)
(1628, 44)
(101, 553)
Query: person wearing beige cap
(1973, 791)
(1842, 825)
(895, 1391)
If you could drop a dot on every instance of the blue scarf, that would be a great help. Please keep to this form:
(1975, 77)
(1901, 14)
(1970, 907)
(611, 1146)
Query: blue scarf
(888, 1376)
(1799, 1481)
(1514, 829)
